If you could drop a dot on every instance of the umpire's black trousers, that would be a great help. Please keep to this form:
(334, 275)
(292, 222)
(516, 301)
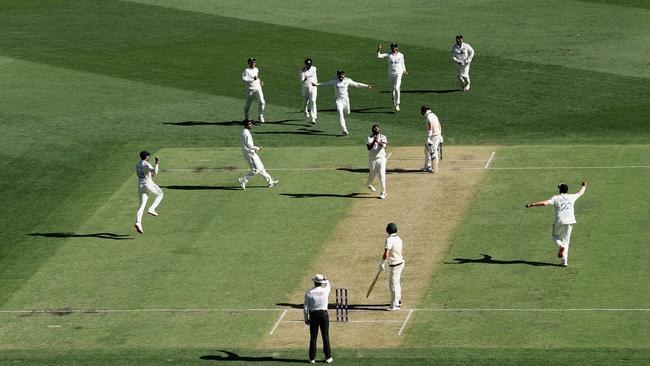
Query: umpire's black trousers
(319, 319)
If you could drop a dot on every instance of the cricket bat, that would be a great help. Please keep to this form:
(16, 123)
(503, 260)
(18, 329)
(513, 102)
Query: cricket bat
(372, 285)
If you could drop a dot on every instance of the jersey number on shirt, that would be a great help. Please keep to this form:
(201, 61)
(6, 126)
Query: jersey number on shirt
(565, 206)
(140, 174)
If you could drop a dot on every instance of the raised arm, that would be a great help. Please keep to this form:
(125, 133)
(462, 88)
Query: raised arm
(582, 189)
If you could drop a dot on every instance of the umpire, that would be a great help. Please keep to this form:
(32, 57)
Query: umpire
(315, 311)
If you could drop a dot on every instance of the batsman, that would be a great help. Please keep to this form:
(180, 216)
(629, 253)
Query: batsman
(393, 255)
(433, 144)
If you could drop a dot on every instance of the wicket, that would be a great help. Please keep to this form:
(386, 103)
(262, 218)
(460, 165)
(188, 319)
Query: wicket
(341, 304)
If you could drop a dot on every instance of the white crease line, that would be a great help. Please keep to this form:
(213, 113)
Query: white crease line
(573, 167)
(489, 160)
(189, 310)
(351, 321)
(405, 321)
(278, 321)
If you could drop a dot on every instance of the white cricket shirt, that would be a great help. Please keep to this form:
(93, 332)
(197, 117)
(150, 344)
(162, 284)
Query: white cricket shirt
(341, 86)
(378, 150)
(247, 146)
(396, 64)
(143, 170)
(251, 79)
(436, 129)
(464, 53)
(394, 245)
(564, 204)
(310, 75)
(316, 299)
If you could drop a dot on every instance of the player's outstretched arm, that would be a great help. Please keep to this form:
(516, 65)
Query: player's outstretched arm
(537, 204)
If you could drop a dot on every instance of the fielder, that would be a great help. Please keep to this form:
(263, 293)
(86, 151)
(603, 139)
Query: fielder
(396, 68)
(377, 160)
(564, 218)
(309, 91)
(251, 79)
(434, 139)
(145, 171)
(316, 317)
(462, 54)
(341, 84)
(249, 150)
(393, 254)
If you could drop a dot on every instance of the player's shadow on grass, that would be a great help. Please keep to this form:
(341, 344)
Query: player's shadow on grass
(332, 195)
(207, 188)
(370, 307)
(380, 110)
(229, 123)
(423, 91)
(110, 236)
(300, 131)
(395, 170)
(487, 259)
(232, 356)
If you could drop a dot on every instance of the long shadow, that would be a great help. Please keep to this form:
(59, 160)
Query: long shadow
(110, 236)
(300, 131)
(364, 110)
(314, 195)
(424, 91)
(395, 170)
(232, 356)
(487, 259)
(201, 188)
(230, 123)
(371, 307)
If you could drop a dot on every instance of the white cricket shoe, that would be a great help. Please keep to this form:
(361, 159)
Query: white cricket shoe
(372, 188)
(382, 195)
(306, 113)
(138, 228)
(261, 118)
(153, 213)
(242, 183)
(313, 122)
(427, 169)
(273, 183)
(346, 132)
(312, 361)
(397, 107)
(393, 309)
(329, 360)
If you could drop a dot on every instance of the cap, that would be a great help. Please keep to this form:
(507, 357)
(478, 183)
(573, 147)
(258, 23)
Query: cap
(563, 187)
(144, 154)
(391, 228)
(308, 61)
(394, 45)
(247, 121)
(459, 36)
(320, 278)
(251, 59)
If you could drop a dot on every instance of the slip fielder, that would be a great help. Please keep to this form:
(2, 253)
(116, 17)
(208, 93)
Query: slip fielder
(462, 54)
(309, 92)
(144, 172)
(396, 68)
(564, 218)
(341, 84)
(251, 79)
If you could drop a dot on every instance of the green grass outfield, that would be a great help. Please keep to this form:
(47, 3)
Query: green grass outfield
(84, 86)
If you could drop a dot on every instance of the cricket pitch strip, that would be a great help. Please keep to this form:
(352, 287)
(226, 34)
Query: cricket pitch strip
(427, 209)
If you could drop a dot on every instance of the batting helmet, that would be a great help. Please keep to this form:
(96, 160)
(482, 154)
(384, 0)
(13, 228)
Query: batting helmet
(391, 228)
(144, 154)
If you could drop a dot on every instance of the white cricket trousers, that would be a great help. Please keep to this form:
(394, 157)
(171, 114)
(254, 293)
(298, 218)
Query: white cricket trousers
(257, 167)
(394, 278)
(562, 238)
(250, 95)
(463, 76)
(431, 151)
(396, 80)
(143, 192)
(309, 101)
(377, 167)
(343, 108)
